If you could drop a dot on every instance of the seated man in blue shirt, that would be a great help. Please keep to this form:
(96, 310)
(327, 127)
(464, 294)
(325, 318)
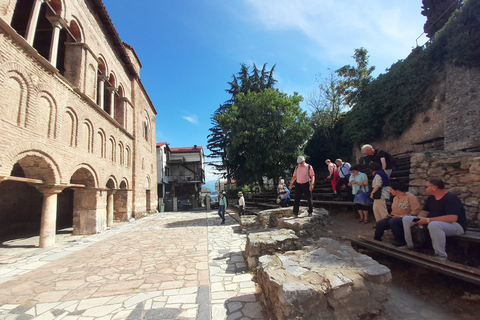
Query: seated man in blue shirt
(444, 215)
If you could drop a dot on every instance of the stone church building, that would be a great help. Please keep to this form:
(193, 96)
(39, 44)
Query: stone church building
(77, 128)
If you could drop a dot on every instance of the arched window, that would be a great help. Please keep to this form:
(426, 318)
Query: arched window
(127, 156)
(119, 114)
(112, 149)
(101, 79)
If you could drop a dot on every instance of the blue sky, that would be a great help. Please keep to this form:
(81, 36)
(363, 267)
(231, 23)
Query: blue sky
(189, 49)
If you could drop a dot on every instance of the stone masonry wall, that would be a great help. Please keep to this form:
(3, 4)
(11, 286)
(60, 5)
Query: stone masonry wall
(460, 172)
(462, 125)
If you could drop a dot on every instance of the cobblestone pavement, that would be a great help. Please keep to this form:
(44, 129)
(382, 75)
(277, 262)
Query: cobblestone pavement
(182, 265)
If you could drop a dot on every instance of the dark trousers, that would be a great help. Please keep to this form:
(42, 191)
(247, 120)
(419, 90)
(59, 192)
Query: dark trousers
(300, 189)
(221, 212)
(338, 186)
(396, 225)
(241, 211)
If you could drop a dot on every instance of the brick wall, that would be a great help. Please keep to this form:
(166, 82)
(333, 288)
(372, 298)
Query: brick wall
(54, 128)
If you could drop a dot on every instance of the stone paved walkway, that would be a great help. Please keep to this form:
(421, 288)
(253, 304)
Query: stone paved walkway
(168, 265)
(180, 265)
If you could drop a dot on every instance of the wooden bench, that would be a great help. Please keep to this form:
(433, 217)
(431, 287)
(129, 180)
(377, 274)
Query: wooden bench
(449, 268)
(468, 243)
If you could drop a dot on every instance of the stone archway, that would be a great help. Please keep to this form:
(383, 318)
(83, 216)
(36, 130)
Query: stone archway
(123, 207)
(111, 190)
(30, 196)
(86, 219)
(20, 207)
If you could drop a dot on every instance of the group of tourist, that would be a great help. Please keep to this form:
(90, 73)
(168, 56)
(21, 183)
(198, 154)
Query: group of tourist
(443, 214)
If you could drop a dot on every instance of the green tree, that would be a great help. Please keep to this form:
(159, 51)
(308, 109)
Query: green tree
(267, 130)
(355, 79)
(218, 139)
(438, 12)
(328, 103)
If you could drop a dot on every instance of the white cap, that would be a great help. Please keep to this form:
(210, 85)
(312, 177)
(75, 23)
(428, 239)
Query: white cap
(282, 181)
(300, 159)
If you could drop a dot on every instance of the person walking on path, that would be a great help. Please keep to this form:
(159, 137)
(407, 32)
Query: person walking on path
(343, 177)
(385, 159)
(241, 204)
(333, 174)
(304, 178)
(222, 205)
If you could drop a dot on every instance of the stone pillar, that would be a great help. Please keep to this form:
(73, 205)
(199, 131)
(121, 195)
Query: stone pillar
(175, 204)
(101, 87)
(112, 101)
(110, 202)
(32, 22)
(57, 26)
(49, 215)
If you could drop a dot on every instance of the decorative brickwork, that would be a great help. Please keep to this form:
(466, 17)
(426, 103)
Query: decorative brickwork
(74, 115)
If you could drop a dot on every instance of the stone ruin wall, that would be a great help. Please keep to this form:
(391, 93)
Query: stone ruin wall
(462, 118)
(459, 170)
(453, 113)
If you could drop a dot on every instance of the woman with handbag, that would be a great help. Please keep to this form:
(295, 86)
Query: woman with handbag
(359, 183)
(380, 191)
(404, 204)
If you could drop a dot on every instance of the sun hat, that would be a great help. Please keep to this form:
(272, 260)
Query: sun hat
(300, 159)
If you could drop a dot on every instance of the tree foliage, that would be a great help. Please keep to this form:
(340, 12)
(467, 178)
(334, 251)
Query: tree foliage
(266, 132)
(218, 139)
(387, 107)
(328, 103)
(355, 79)
(438, 12)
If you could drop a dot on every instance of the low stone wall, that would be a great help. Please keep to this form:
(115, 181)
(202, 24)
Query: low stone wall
(323, 281)
(269, 218)
(305, 226)
(249, 223)
(268, 242)
(459, 170)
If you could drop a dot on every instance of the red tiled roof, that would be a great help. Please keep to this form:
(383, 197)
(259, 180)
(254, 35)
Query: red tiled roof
(161, 144)
(195, 149)
(205, 191)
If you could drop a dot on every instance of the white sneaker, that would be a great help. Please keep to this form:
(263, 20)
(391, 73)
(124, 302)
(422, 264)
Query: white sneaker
(406, 247)
(440, 257)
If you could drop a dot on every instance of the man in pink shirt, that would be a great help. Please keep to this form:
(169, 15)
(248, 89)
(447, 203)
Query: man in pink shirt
(304, 178)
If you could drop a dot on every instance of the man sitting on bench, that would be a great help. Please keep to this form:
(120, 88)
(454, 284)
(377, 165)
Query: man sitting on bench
(444, 215)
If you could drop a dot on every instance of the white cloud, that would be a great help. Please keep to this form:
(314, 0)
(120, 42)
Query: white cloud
(210, 175)
(387, 29)
(192, 119)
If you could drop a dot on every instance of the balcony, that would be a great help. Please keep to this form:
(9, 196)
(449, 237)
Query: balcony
(197, 178)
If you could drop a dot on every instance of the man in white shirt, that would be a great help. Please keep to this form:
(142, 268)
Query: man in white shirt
(343, 177)
(241, 204)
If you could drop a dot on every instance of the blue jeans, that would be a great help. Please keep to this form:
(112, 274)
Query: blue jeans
(221, 212)
(396, 225)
